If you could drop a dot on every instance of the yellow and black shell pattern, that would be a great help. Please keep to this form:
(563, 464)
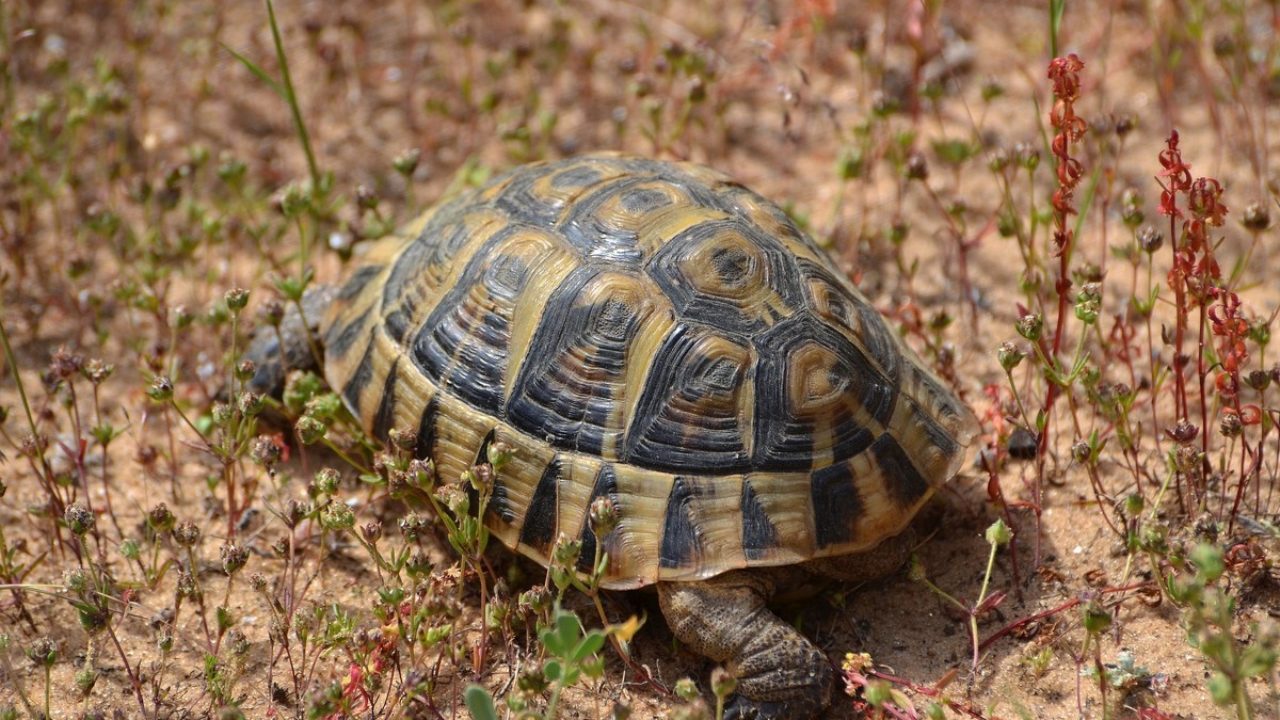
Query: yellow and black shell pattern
(655, 333)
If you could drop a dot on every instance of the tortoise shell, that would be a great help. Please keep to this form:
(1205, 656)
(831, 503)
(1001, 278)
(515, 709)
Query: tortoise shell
(658, 334)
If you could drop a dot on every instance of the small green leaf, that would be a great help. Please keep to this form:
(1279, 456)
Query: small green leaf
(1257, 660)
(252, 67)
(480, 703)
(561, 640)
(589, 645)
(1220, 689)
(953, 152)
(1209, 561)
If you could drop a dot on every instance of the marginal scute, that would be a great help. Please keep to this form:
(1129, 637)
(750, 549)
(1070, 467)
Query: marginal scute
(681, 539)
(904, 482)
(759, 536)
(384, 418)
(606, 486)
(540, 522)
(836, 504)
(425, 442)
(354, 388)
(355, 285)
(340, 338)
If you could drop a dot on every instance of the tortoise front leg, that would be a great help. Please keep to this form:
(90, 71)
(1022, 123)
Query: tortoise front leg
(780, 673)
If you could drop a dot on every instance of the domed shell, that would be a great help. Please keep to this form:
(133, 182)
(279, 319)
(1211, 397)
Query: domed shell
(654, 333)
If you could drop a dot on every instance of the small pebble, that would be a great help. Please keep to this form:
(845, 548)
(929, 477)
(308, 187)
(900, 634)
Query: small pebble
(1023, 444)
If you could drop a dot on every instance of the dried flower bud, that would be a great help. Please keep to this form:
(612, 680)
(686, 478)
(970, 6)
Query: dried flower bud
(250, 404)
(1125, 125)
(237, 299)
(337, 516)
(413, 526)
(1030, 326)
(272, 312)
(723, 683)
(187, 587)
(1009, 356)
(245, 370)
(499, 454)
(1187, 458)
(43, 653)
(296, 511)
(536, 599)
(65, 363)
(326, 482)
(1256, 218)
(265, 451)
(222, 414)
(407, 162)
(97, 371)
(480, 477)
(1230, 425)
(371, 532)
(1258, 379)
(310, 430)
(187, 534)
(402, 439)
(79, 518)
(1183, 433)
(160, 390)
(233, 557)
(917, 167)
(161, 519)
(604, 516)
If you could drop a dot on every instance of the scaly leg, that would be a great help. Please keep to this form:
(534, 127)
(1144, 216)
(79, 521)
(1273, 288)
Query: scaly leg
(780, 673)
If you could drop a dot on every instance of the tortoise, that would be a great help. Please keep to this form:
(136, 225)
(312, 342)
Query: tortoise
(654, 333)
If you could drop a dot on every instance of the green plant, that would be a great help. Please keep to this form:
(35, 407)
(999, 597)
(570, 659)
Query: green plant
(1209, 618)
(572, 653)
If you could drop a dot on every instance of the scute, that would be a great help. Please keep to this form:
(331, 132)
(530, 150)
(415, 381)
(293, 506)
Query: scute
(690, 415)
(572, 384)
(658, 335)
(728, 275)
